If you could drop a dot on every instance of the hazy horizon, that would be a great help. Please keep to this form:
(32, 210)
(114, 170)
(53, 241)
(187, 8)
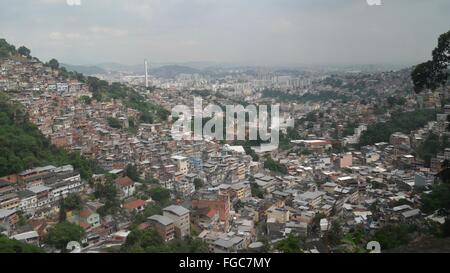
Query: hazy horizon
(241, 32)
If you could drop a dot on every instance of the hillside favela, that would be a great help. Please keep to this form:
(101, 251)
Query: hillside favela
(189, 126)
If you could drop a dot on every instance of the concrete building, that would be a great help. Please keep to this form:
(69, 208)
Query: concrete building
(182, 164)
(164, 226)
(181, 219)
(345, 161)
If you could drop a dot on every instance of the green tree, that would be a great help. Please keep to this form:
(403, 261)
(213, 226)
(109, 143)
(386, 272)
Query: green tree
(73, 202)
(53, 64)
(160, 195)
(24, 51)
(198, 183)
(429, 148)
(292, 244)
(23, 146)
(23, 220)
(316, 221)
(151, 180)
(335, 234)
(404, 122)
(6, 50)
(393, 236)
(132, 172)
(149, 211)
(107, 193)
(434, 73)
(275, 166)
(62, 211)
(239, 205)
(114, 123)
(257, 191)
(249, 151)
(150, 241)
(438, 199)
(63, 233)
(86, 100)
(13, 246)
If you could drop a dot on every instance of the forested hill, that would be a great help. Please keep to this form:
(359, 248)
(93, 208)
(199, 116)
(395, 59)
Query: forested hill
(23, 146)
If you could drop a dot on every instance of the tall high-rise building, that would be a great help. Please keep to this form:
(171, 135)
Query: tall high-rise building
(146, 74)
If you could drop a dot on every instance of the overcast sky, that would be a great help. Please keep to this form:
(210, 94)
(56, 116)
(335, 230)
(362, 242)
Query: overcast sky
(258, 32)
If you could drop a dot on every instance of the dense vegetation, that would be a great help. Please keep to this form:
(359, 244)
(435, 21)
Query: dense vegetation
(160, 195)
(63, 233)
(6, 50)
(439, 198)
(393, 236)
(103, 91)
(22, 145)
(392, 101)
(150, 241)
(431, 147)
(150, 112)
(71, 202)
(14, 246)
(257, 191)
(275, 166)
(132, 172)
(434, 73)
(114, 123)
(404, 122)
(107, 194)
(292, 244)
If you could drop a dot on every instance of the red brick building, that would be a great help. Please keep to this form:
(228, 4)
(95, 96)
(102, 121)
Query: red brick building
(220, 203)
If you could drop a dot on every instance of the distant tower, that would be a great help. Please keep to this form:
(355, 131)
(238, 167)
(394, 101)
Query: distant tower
(146, 74)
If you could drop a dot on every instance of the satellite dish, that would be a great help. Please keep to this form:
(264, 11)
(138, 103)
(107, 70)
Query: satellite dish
(74, 247)
(374, 247)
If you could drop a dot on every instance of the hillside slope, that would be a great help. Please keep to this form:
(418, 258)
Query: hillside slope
(23, 146)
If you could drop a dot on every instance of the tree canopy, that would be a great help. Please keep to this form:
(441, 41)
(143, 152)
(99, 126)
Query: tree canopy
(114, 123)
(149, 241)
(393, 236)
(107, 193)
(103, 91)
(434, 73)
(132, 172)
(23, 146)
(13, 246)
(160, 195)
(53, 64)
(63, 233)
(6, 50)
(403, 122)
(275, 166)
(292, 244)
(24, 51)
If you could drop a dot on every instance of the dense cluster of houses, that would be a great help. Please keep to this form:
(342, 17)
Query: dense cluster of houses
(213, 185)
